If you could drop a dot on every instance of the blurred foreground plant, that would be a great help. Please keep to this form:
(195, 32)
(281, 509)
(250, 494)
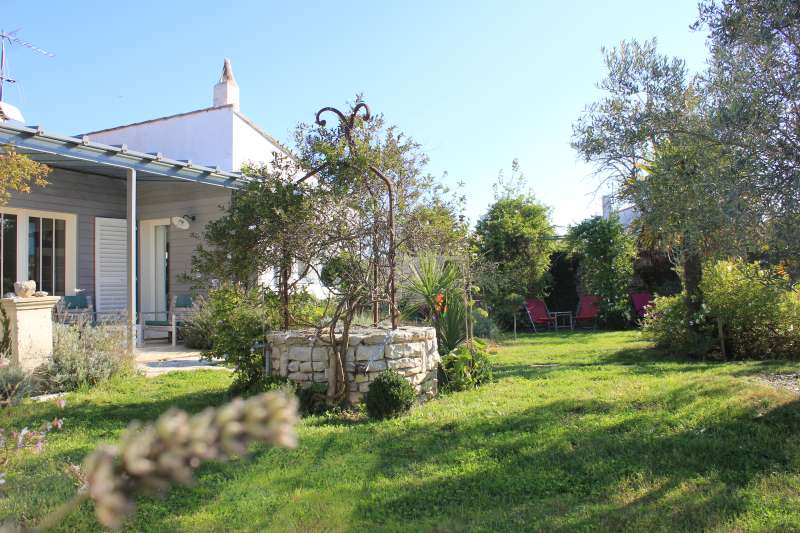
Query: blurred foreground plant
(151, 458)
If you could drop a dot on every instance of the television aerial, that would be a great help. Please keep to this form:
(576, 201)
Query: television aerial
(10, 39)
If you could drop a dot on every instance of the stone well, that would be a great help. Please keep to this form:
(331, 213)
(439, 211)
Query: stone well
(304, 358)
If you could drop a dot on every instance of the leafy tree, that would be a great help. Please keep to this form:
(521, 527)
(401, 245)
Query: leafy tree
(274, 223)
(754, 87)
(652, 138)
(606, 255)
(19, 172)
(516, 237)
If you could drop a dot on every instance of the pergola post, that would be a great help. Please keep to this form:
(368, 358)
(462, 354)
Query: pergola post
(131, 279)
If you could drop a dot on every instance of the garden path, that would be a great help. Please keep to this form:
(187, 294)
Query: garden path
(156, 358)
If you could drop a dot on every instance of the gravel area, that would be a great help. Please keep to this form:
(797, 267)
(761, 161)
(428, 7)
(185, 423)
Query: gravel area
(790, 381)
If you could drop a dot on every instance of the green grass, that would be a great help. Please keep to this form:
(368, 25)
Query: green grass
(579, 432)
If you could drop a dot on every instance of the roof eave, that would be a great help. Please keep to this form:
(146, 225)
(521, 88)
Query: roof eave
(36, 139)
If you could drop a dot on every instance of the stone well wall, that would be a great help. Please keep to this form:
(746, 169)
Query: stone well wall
(304, 358)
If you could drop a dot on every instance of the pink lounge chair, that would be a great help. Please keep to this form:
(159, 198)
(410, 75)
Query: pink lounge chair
(588, 309)
(640, 302)
(538, 313)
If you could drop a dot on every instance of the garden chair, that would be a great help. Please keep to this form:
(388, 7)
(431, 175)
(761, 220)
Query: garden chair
(180, 310)
(588, 310)
(77, 308)
(640, 302)
(538, 313)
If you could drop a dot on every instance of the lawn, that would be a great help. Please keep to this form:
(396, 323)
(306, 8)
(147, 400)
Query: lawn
(580, 431)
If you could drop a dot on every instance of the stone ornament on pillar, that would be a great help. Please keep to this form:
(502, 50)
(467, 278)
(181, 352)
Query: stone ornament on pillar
(31, 329)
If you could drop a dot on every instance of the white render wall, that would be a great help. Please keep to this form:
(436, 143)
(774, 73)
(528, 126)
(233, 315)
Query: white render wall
(204, 137)
(216, 136)
(249, 145)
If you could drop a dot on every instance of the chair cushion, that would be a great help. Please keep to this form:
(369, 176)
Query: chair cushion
(78, 301)
(162, 323)
(184, 300)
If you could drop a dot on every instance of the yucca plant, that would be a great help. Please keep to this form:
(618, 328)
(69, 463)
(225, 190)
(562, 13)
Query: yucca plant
(435, 291)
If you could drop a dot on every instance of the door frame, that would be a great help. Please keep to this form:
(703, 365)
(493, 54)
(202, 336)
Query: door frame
(147, 266)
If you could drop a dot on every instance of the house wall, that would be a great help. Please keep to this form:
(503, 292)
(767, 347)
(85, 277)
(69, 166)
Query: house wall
(176, 198)
(249, 145)
(205, 137)
(86, 195)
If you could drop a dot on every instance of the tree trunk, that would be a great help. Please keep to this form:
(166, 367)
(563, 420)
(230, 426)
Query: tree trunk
(285, 272)
(692, 275)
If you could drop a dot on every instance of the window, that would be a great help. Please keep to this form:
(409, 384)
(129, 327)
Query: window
(8, 252)
(38, 245)
(47, 254)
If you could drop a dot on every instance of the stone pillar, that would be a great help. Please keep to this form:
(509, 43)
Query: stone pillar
(31, 328)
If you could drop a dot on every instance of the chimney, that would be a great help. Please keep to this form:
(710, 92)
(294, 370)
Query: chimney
(226, 92)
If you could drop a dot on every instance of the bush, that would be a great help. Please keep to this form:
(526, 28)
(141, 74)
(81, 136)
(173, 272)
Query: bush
(84, 355)
(313, 399)
(197, 330)
(606, 253)
(760, 314)
(389, 395)
(758, 311)
(240, 319)
(466, 367)
(15, 385)
(482, 325)
(666, 324)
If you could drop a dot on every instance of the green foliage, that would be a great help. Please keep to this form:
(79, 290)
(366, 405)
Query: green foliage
(313, 399)
(389, 395)
(563, 295)
(754, 83)
(516, 237)
(85, 355)
(241, 319)
(666, 324)
(466, 367)
(435, 291)
(238, 320)
(483, 325)
(758, 311)
(606, 254)
(5, 331)
(197, 330)
(760, 314)
(15, 385)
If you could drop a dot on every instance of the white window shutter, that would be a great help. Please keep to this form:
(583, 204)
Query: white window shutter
(110, 265)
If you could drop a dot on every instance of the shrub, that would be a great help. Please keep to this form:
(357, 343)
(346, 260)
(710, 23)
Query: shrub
(313, 399)
(759, 313)
(606, 253)
(482, 324)
(666, 324)
(466, 367)
(389, 395)
(240, 319)
(15, 385)
(85, 355)
(197, 330)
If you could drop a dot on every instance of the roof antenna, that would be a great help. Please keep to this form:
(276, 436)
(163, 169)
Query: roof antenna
(11, 38)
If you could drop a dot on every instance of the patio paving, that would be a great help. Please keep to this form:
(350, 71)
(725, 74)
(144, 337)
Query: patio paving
(156, 358)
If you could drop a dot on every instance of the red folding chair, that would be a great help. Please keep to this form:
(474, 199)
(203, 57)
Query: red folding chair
(588, 309)
(538, 313)
(640, 302)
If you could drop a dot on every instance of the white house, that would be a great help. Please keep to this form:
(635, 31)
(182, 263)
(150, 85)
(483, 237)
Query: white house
(107, 225)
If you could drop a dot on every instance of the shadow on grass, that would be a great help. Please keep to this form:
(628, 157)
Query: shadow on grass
(632, 474)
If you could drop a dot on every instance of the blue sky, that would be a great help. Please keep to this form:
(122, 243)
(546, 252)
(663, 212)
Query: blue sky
(477, 83)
